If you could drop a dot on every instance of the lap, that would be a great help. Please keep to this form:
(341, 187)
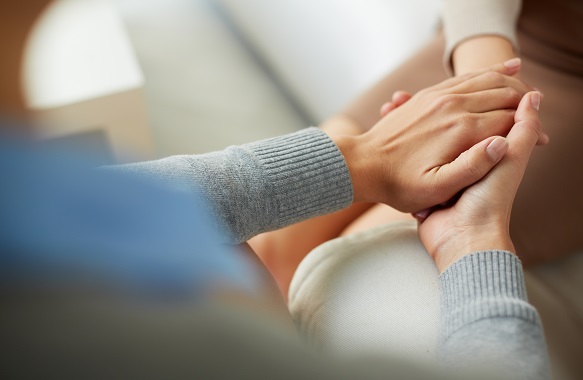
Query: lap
(377, 291)
(371, 292)
(547, 217)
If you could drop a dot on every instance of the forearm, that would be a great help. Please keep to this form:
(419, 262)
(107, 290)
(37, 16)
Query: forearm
(479, 52)
(262, 186)
(487, 323)
(479, 33)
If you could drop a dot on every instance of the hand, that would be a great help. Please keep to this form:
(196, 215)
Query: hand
(412, 159)
(398, 99)
(479, 220)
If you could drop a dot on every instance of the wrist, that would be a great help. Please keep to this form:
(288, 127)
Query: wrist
(468, 242)
(356, 162)
(480, 52)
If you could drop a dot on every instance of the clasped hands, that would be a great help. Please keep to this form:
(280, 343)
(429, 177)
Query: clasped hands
(473, 133)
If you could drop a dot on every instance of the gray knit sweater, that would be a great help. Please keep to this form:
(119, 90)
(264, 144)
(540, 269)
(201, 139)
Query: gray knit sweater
(486, 318)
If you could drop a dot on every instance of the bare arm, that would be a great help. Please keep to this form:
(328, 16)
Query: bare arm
(479, 52)
(479, 33)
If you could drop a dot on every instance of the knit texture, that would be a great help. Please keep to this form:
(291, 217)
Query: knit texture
(484, 285)
(261, 186)
(487, 324)
(306, 174)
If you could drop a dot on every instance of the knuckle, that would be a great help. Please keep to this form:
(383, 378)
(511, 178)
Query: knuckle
(447, 101)
(508, 116)
(468, 120)
(424, 91)
(504, 122)
(513, 95)
(493, 76)
(536, 127)
(472, 170)
(439, 184)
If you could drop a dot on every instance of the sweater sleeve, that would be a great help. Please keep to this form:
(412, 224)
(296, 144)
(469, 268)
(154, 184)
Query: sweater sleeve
(261, 186)
(464, 19)
(487, 322)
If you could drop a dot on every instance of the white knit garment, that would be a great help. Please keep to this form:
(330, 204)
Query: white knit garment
(374, 292)
(378, 292)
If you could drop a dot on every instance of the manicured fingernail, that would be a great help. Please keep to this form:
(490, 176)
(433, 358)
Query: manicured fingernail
(497, 148)
(535, 100)
(512, 63)
(542, 94)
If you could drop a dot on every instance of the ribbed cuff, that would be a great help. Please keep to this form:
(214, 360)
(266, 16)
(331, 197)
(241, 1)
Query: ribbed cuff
(307, 172)
(465, 19)
(484, 285)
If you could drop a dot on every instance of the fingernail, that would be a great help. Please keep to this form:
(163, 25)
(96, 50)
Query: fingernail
(542, 94)
(512, 63)
(535, 100)
(497, 148)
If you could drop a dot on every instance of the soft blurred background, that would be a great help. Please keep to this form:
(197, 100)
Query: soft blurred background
(162, 77)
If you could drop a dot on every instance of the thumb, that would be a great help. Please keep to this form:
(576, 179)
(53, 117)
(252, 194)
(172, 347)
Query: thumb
(527, 114)
(527, 129)
(471, 166)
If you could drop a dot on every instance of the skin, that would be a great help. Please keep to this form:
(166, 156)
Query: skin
(282, 250)
(385, 140)
(480, 219)
(435, 144)
(423, 141)
(438, 172)
(479, 52)
(470, 55)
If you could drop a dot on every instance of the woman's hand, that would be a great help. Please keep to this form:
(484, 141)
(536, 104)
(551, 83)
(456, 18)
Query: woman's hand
(479, 220)
(412, 159)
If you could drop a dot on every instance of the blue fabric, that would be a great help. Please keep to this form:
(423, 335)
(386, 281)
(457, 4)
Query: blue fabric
(60, 218)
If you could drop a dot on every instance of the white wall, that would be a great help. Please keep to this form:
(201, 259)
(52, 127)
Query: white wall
(77, 51)
(81, 75)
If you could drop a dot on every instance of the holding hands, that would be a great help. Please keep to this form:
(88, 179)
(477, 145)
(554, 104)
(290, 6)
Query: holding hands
(479, 220)
(440, 141)
(446, 139)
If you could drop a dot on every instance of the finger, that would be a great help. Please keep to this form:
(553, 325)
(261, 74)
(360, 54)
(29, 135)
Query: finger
(492, 99)
(401, 97)
(509, 67)
(475, 127)
(386, 108)
(522, 139)
(471, 166)
(493, 123)
(544, 139)
(527, 130)
(490, 80)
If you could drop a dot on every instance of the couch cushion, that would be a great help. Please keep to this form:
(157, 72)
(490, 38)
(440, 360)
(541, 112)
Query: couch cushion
(327, 51)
